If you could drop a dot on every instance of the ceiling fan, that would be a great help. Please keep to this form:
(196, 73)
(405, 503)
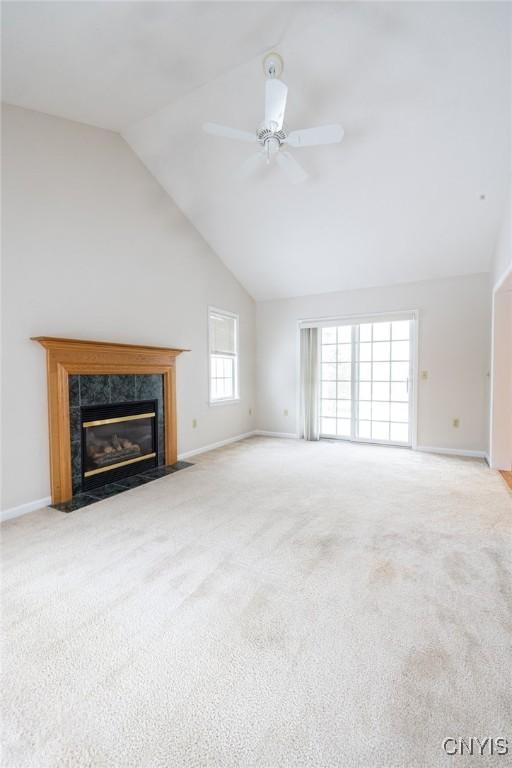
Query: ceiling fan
(272, 136)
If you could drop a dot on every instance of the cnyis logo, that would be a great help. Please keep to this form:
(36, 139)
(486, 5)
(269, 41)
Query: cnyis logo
(472, 745)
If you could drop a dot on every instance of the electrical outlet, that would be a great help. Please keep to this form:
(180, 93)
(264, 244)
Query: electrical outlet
(194, 423)
(285, 411)
(424, 375)
(456, 423)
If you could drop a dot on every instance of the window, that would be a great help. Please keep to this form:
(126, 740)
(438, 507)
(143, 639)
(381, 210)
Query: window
(223, 353)
(366, 381)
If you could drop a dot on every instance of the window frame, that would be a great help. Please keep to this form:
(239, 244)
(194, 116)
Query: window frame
(236, 358)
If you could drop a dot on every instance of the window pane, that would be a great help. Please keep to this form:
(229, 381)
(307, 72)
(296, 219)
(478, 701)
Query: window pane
(345, 409)
(381, 390)
(329, 408)
(365, 371)
(400, 329)
(344, 334)
(380, 411)
(399, 391)
(329, 353)
(365, 390)
(365, 332)
(400, 412)
(343, 427)
(381, 331)
(328, 426)
(365, 429)
(399, 371)
(381, 350)
(400, 350)
(381, 371)
(329, 371)
(365, 411)
(328, 335)
(344, 353)
(222, 333)
(214, 389)
(329, 389)
(228, 387)
(380, 431)
(365, 352)
(344, 390)
(344, 372)
(399, 433)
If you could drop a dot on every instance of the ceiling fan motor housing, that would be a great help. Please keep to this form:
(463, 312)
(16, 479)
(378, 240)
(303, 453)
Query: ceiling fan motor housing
(265, 135)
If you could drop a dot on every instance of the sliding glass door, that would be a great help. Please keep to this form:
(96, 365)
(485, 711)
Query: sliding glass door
(366, 381)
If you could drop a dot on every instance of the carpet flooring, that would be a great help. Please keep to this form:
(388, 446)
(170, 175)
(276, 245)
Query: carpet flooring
(280, 603)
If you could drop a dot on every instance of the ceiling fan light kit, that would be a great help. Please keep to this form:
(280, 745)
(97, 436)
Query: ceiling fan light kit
(272, 136)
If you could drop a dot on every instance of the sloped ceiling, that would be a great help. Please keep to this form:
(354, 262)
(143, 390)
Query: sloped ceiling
(415, 191)
(111, 63)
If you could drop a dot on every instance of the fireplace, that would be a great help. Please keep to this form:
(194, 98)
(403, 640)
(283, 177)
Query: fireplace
(118, 440)
(68, 361)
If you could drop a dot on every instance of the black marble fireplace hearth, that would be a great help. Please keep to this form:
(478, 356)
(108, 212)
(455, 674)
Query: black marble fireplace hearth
(84, 499)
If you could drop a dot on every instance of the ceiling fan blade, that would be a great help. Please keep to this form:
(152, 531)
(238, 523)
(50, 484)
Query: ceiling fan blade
(275, 103)
(228, 133)
(251, 164)
(311, 137)
(291, 167)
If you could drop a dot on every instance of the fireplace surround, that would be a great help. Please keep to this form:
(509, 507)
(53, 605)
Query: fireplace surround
(69, 359)
(88, 393)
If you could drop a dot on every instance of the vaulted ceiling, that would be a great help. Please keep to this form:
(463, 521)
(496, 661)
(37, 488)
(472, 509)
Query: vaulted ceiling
(415, 191)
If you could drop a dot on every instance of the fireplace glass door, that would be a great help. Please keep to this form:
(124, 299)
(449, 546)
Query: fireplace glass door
(118, 440)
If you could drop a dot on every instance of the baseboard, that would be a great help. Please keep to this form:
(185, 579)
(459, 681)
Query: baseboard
(451, 451)
(264, 433)
(213, 446)
(23, 509)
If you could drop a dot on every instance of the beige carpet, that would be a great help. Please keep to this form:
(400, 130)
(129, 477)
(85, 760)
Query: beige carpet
(280, 603)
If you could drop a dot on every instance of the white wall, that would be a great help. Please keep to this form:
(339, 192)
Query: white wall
(94, 248)
(454, 337)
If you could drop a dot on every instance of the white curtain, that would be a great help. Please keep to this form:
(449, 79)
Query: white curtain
(310, 383)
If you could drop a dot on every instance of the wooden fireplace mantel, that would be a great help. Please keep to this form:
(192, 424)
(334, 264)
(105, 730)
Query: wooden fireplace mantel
(79, 356)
